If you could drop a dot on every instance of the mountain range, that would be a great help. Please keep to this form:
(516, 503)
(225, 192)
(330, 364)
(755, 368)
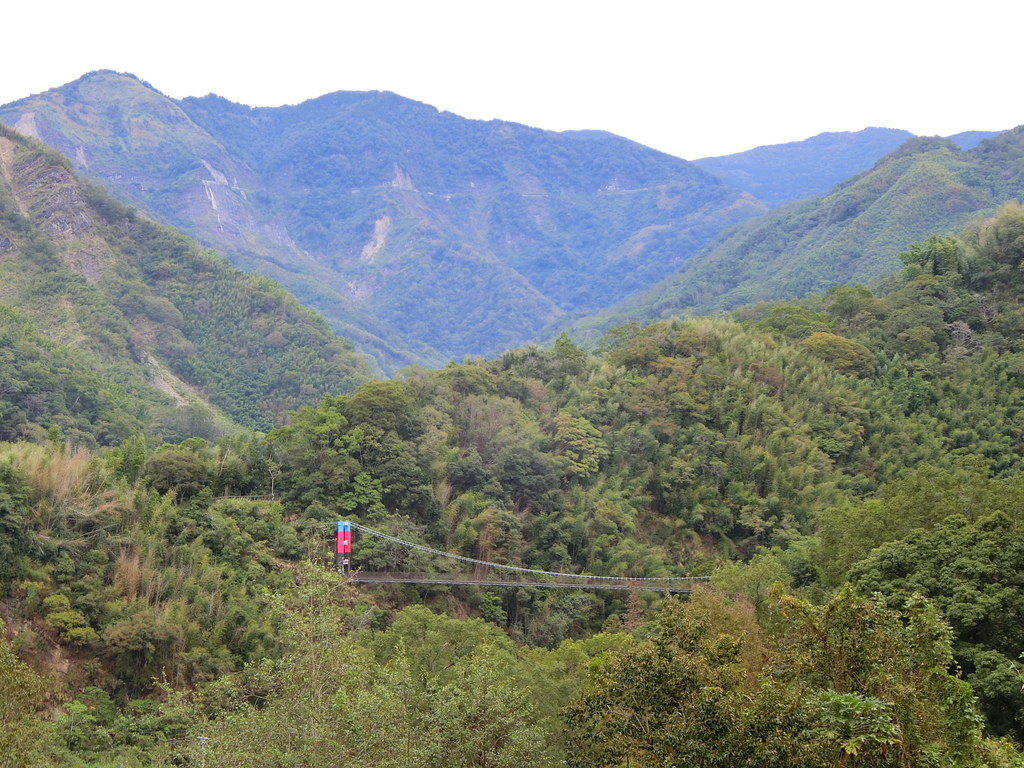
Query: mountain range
(422, 235)
(854, 234)
(798, 170)
(163, 589)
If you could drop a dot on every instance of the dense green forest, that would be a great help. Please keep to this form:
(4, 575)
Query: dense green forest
(845, 469)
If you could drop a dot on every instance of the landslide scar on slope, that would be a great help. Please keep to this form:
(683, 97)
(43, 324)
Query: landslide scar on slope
(26, 125)
(380, 233)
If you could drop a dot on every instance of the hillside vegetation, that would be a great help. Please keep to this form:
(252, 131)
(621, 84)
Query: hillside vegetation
(425, 237)
(115, 325)
(854, 436)
(799, 170)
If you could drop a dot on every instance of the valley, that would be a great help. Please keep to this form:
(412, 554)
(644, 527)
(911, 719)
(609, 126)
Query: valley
(602, 361)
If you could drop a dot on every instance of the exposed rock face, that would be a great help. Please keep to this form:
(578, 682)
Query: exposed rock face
(59, 206)
(26, 125)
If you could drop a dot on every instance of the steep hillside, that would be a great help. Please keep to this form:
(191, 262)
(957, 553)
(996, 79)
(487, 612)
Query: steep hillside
(425, 235)
(102, 304)
(784, 173)
(927, 186)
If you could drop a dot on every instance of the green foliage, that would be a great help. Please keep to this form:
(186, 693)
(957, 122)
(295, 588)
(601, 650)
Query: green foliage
(860, 724)
(250, 344)
(580, 444)
(46, 386)
(970, 569)
(180, 470)
(847, 683)
(26, 740)
(936, 256)
(994, 250)
(443, 691)
(921, 499)
(793, 321)
(134, 586)
(843, 355)
(72, 625)
(14, 543)
(685, 697)
(858, 646)
(386, 405)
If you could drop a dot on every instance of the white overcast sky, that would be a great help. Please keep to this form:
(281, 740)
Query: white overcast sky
(692, 79)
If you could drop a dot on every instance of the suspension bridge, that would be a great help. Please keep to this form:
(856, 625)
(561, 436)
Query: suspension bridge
(484, 573)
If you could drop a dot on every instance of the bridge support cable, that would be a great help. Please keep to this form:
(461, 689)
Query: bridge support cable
(509, 575)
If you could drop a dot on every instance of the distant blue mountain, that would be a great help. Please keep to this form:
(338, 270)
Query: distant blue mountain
(971, 139)
(929, 185)
(784, 173)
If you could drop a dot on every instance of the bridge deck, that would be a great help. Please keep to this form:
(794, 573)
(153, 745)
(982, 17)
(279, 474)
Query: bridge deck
(510, 580)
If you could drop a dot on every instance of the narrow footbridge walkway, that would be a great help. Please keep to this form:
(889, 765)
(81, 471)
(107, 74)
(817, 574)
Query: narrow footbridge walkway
(484, 573)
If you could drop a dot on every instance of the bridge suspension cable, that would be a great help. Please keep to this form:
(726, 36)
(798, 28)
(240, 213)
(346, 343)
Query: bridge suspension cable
(543, 578)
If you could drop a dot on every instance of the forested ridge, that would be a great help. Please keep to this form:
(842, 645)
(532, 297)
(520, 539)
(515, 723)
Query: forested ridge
(926, 186)
(114, 325)
(172, 603)
(423, 236)
(784, 173)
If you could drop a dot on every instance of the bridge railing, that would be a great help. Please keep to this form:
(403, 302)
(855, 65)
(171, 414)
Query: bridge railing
(506, 579)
